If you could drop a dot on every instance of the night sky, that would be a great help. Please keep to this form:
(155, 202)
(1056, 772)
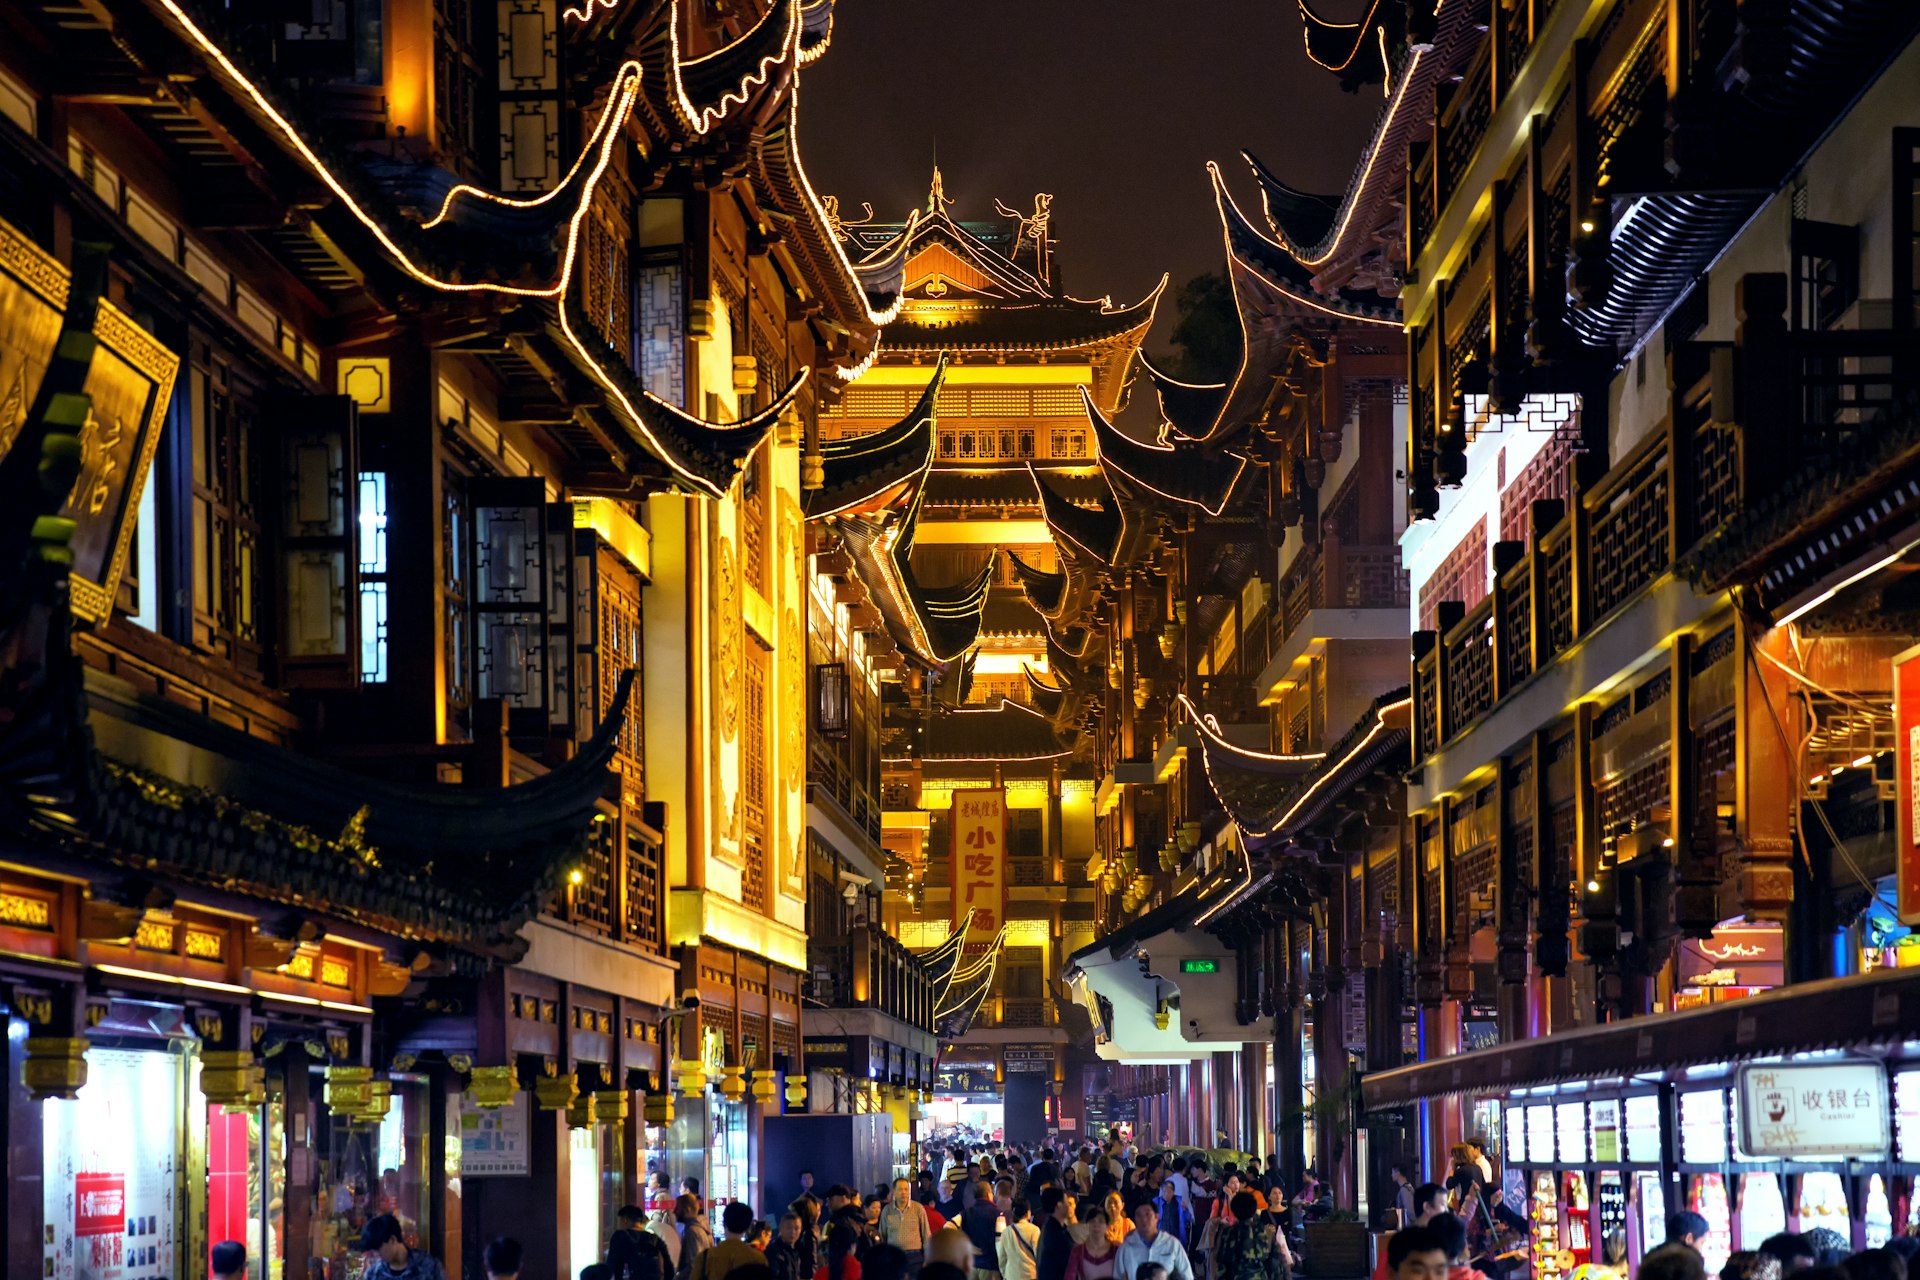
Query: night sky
(1114, 106)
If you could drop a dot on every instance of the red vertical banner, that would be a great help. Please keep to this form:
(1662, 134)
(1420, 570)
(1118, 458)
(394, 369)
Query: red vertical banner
(979, 862)
(1906, 738)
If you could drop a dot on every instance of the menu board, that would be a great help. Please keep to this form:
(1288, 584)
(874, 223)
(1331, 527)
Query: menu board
(1703, 1127)
(1606, 1134)
(1516, 1122)
(1643, 1129)
(1570, 1119)
(1540, 1134)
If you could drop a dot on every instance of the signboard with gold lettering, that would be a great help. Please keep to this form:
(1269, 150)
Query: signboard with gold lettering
(979, 863)
(130, 381)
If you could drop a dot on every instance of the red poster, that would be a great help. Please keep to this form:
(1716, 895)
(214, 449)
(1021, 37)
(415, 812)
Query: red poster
(1906, 737)
(979, 865)
(99, 1204)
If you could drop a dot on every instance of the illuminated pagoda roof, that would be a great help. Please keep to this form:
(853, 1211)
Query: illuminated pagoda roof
(1107, 535)
(1273, 797)
(861, 471)
(404, 225)
(1001, 731)
(1191, 474)
(1270, 292)
(934, 625)
(961, 979)
(1359, 52)
(992, 288)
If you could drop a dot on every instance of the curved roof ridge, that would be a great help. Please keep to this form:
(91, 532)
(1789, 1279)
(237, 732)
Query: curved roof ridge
(1189, 474)
(860, 470)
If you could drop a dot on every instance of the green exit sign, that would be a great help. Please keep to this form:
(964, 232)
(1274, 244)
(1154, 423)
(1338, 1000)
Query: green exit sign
(1199, 966)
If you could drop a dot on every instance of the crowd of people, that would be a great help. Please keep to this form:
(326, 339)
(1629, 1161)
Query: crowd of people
(1463, 1229)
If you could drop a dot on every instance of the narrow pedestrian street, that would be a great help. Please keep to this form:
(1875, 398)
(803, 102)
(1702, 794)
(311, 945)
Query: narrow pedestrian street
(1255, 641)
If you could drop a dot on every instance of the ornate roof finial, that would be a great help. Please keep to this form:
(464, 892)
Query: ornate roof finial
(937, 201)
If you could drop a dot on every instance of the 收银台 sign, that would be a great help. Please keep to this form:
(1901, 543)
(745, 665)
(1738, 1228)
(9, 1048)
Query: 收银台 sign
(1814, 1111)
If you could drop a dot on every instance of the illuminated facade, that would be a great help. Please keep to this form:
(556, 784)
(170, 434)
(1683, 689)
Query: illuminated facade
(1658, 491)
(989, 358)
(406, 615)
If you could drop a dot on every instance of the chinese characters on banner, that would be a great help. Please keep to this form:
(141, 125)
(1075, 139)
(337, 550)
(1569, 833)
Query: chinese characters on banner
(1906, 737)
(980, 863)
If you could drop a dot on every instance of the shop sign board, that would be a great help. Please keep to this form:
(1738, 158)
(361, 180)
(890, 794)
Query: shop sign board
(1735, 956)
(129, 384)
(1906, 772)
(494, 1140)
(979, 866)
(1824, 1109)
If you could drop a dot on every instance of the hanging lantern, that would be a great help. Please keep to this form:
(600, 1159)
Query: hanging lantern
(226, 1076)
(349, 1089)
(764, 1087)
(746, 375)
(56, 1067)
(659, 1110)
(796, 1091)
(580, 1111)
(492, 1087)
(611, 1106)
(555, 1092)
(692, 1077)
(733, 1083)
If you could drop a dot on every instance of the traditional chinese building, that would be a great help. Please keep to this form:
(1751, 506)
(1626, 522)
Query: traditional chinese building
(997, 358)
(404, 616)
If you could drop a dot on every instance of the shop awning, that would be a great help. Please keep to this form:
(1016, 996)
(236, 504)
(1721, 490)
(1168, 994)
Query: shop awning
(1842, 1013)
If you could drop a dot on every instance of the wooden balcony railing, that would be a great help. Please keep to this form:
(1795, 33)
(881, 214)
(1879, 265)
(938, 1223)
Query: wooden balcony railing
(1807, 398)
(1336, 575)
(618, 884)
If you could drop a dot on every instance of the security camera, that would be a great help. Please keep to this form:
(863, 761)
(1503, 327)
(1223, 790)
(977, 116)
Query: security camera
(689, 1000)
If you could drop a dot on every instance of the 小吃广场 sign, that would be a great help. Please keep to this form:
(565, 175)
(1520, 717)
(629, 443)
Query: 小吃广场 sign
(979, 866)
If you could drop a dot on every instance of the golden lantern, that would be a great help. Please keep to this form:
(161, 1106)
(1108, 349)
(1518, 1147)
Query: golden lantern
(349, 1089)
(765, 1087)
(56, 1067)
(226, 1076)
(580, 1111)
(733, 1083)
(692, 1077)
(611, 1106)
(555, 1092)
(796, 1091)
(659, 1110)
(492, 1087)
(379, 1101)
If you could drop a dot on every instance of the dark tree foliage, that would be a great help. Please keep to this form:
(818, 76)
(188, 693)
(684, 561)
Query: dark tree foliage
(1206, 331)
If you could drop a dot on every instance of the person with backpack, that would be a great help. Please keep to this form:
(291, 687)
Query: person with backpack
(633, 1252)
(1246, 1249)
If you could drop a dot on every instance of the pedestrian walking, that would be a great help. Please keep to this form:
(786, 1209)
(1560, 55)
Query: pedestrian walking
(904, 1224)
(1094, 1257)
(229, 1260)
(734, 1251)
(395, 1260)
(1149, 1243)
(1019, 1245)
(842, 1239)
(633, 1252)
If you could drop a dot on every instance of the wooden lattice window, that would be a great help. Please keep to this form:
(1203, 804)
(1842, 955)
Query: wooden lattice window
(607, 285)
(456, 84)
(618, 648)
(456, 595)
(226, 532)
(643, 889)
(1461, 576)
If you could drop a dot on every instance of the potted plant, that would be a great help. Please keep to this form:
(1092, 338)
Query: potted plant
(1336, 1246)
